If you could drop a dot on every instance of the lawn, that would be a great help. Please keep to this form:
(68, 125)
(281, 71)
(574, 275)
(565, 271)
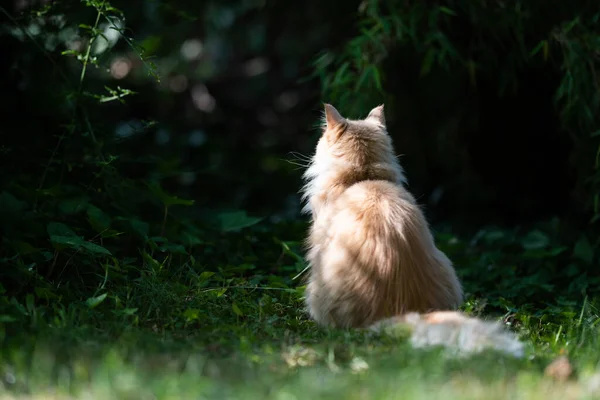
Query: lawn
(228, 322)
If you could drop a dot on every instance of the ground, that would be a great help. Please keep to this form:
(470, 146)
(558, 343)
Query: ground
(181, 328)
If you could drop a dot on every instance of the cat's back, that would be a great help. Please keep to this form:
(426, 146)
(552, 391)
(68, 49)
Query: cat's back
(371, 219)
(376, 202)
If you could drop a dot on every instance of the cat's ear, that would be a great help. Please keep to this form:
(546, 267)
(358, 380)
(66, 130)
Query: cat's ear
(377, 114)
(332, 117)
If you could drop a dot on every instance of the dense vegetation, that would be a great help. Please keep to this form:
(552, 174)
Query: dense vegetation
(152, 153)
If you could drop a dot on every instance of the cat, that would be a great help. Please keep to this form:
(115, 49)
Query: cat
(372, 257)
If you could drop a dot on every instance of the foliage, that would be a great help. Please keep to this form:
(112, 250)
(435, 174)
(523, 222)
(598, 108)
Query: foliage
(469, 46)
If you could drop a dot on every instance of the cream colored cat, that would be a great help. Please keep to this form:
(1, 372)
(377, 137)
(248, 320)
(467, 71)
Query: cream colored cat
(371, 253)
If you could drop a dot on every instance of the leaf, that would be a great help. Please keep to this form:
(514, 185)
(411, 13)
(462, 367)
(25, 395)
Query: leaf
(69, 52)
(30, 303)
(172, 248)
(7, 318)
(205, 276)
(98, 219)
(45, 293)
(236, 310)
(287, 250)
(94, 248)
(73, 205)
(167, 199)
(448, 11)
(557, 250)
(341, 74)
(493, 236)
(235, 220)
(162, 244)
(148, 258)
(77, 243)
(191, 314)
(93, 302)
(61, 242)
(537, 48)
(140, 227)
(60, 229)
(583, 250)
(535, 240)
(376, 77)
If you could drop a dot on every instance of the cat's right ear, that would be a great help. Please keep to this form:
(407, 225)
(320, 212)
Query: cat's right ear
(377, 114)
(332, 117)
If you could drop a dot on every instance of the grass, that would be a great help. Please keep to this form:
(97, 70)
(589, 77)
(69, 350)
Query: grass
(237, 329)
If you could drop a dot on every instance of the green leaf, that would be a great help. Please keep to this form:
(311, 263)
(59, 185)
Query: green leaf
(60, 229)
(7, 318)
(535, 240)
(162, 244)
(98, 219)
(167, 199)
(235, 220)
(30, 303)
(140, 227)
(557, 250)
(191, 314)
(376, 77)
(493, 236)
(45, 293)
(77, 243)
(61, 242)
(340, 75)
(70, 52)
(94, 248)
(93, 302)
(73, 205)
(172, 248)
(537, 48)
(205, 276)
(236, 310)
(448, 11)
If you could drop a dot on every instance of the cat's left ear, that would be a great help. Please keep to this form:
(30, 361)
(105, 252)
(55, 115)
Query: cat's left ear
(332, 117)
(377, 114)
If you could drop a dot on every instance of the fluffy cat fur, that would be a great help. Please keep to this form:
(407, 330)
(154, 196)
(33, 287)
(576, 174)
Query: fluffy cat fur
(372, 256)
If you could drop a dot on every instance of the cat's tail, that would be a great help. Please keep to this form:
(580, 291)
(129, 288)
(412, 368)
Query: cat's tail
(454, 330)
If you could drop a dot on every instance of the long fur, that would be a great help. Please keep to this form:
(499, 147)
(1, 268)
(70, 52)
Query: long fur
(453, 330)
(371, 253)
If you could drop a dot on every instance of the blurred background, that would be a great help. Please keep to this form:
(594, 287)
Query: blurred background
(117, 116)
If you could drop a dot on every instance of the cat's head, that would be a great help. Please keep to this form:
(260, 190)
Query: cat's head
(358, 142)
(349, 151)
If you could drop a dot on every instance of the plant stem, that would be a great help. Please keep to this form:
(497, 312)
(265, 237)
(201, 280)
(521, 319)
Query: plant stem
(77, 95)
(87, 55)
